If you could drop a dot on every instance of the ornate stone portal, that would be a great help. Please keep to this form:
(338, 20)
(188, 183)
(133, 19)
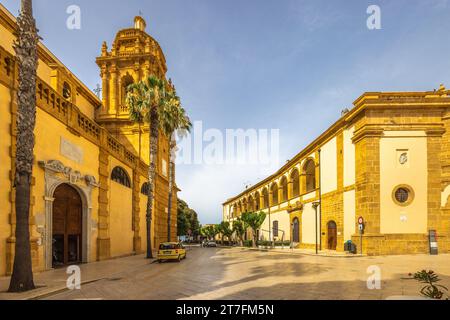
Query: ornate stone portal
(56, 173)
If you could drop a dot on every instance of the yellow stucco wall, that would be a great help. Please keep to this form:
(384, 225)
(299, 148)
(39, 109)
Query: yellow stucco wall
(349, 214)
(7, 39)
(85, 106)
(283, 224)
(308, 225)
(120, 211)
(411, 218)
(5, 167)
(349, 157)
(328, 168)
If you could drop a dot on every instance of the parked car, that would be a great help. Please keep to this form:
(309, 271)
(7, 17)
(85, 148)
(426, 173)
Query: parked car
(211, 244)
(171, 251)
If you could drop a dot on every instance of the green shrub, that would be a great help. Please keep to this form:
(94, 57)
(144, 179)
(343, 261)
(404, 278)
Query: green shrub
(248, 243)
(431, 289)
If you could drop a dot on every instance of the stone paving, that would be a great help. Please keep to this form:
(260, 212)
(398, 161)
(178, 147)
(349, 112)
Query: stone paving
(237, 273)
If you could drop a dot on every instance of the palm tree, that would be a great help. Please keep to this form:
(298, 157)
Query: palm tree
(254, 220)
(239, 228)
(173, 119)
(146, 100)
(27, 58)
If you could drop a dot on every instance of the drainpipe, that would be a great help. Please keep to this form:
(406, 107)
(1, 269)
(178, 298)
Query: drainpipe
(320, 202)
(315, 204)
(270, 226)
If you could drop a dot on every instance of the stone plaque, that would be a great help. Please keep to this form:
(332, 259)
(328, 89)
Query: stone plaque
(71, 151)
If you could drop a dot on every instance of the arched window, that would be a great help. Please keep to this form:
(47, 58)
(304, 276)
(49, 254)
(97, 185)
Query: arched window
(125, 82)
(145, 188)
(274, 190)
(257, 201)
(251, 204)
(119, 175)
(234, 211)
(244, 205)
(284, 189)
(310, 175)
(265, 194)
(295, 183)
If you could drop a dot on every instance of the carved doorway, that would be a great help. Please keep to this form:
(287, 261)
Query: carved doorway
(67, 226)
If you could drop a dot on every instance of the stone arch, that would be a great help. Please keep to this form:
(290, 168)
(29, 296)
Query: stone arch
(125, 81)
(257, 201)
(284, 188)
(294, 179)
(309, 174)
(250, 203)
(274, 192)
(120, 175)
(265, 195)
(57, 174)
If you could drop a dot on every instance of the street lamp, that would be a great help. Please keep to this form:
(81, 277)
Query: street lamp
(315, 204)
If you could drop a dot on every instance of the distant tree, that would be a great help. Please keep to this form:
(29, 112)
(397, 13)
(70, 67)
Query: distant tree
(187, 219)
(239, 228)
(254, 220)
(183, 223)
(225, 230)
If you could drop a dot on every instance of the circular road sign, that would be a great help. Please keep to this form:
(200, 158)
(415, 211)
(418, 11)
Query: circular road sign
(360, 220)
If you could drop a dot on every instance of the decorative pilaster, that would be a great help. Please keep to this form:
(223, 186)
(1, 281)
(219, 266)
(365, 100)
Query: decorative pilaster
(290, 189)
(113, 109)
(103, 240)
(105, 88)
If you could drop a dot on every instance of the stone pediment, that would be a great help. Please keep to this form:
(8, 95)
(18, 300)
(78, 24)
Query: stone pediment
(74, 176)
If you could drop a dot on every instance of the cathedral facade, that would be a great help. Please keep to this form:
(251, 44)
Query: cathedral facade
(88, 196)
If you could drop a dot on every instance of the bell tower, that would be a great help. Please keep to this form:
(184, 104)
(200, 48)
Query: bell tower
(134, 55)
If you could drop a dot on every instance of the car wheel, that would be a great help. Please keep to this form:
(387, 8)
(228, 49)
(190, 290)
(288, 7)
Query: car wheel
(159, 261)
(185, 256)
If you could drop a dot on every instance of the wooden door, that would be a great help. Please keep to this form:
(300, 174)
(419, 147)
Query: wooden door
(67, 226)
(296, 231)
(332, 235)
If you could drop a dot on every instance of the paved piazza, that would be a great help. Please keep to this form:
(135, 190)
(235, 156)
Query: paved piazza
(236, 273)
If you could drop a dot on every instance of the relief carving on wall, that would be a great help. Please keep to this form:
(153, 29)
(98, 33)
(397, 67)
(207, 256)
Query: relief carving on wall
(74, 176)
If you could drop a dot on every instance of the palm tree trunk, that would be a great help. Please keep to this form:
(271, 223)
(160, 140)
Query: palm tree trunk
(26, 53)
(169, 206)
(151, 175)
(140, 140)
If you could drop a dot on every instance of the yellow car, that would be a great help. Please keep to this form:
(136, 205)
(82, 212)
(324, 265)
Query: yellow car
(171, 251)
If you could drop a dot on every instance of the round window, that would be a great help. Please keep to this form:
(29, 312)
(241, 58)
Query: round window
(403, 195)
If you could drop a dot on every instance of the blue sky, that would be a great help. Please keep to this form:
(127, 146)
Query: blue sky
(291, 65)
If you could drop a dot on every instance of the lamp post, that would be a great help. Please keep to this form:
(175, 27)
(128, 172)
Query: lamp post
(315, 204)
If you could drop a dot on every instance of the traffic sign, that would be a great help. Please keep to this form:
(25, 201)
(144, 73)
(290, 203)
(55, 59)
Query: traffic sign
(360, 220)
